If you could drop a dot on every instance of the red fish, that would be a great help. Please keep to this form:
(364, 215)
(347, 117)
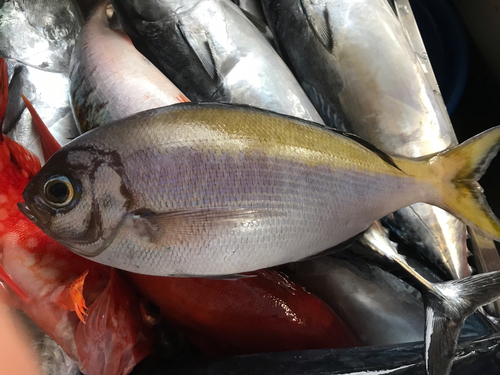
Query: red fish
(264, 313)
(53, 286)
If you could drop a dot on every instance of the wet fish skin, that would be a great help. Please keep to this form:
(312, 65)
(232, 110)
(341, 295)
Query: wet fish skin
(266, 312)
(36, 39)
(40, 34)
(212, 52)
(378, 306)
(53, 360)
(48, 91)
(478, 357)
(110, 79)
(15, 106)
(354, 62)
(46, 273)
(252, 188)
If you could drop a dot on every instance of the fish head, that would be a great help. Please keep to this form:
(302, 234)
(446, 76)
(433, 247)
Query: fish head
(78, 198)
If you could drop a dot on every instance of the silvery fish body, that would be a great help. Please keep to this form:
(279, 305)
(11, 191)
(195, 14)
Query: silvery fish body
(110, 79)
(353, 59)
(379, 307)
(36, 40)
(214, 189)
(212, 52)
(53, 360)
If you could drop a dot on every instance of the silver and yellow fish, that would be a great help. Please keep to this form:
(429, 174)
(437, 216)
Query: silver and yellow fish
(214, 189)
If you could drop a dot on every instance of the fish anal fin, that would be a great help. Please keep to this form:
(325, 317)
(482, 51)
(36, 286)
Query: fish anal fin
(11, 283)
(72, 299)
(200, 45)
(318, 18)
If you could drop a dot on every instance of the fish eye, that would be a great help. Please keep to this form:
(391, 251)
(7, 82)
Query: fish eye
(58, 191)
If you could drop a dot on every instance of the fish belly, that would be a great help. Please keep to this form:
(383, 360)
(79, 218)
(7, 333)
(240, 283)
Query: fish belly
(297, 210)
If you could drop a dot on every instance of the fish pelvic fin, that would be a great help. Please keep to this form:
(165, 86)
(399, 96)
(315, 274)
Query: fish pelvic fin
(461, 195)
(447, 305)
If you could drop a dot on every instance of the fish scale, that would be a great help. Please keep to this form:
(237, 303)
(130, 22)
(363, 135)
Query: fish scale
(232, 189)
(355, 63)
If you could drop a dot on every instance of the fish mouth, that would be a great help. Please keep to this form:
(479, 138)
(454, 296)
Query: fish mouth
(38, 217)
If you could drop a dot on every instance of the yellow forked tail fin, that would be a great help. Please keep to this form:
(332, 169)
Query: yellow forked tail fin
(461, 168)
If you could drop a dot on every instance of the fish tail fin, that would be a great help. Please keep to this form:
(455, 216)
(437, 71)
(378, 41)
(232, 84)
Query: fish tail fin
(461, 168)
(447, 305)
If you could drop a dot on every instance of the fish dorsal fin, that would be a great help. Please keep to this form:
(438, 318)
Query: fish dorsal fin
(177, 225)
(381, 154)
(318, 17)
(200, 44)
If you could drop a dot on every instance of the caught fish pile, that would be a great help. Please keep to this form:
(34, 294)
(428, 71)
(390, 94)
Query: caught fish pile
(258, 187)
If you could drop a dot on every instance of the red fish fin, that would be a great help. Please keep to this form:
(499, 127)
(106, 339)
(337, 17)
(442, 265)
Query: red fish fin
(115, 331)
(182, 99)
(6, 278)
(72, 297)
(4, 89)
(49, 144)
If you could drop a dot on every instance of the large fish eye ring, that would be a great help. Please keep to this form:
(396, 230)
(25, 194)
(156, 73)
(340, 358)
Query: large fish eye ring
(58, 191)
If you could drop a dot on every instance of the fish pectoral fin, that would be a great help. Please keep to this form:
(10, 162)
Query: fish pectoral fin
(185, 223)
(319, 19)
(341, 246)
(258, 23)
(12, 284)
(72, 299)
(200, 44)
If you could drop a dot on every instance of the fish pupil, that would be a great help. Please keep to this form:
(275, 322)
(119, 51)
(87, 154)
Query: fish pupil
(59, 192)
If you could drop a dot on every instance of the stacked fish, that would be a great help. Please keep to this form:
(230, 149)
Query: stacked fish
(188, 205)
